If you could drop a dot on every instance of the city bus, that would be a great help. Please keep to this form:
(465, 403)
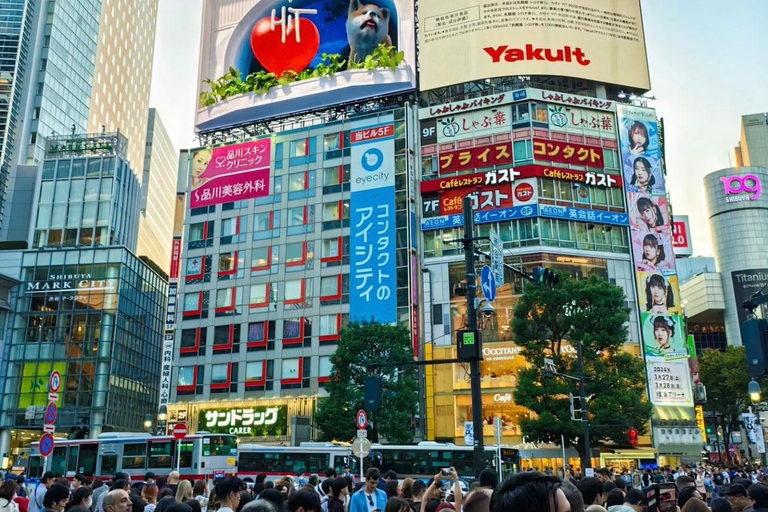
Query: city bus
(201, 456)
(421, 461)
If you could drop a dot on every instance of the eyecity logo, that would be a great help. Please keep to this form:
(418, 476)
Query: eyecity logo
(744, 185)
(530, 52)
(372, 160)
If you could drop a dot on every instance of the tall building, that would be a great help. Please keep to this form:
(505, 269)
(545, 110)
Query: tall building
(15, 30)
(158, 190)
(752, 150)
(86, 305)
(88, 70)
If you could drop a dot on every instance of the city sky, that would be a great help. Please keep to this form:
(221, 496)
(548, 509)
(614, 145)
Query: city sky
(707, 65)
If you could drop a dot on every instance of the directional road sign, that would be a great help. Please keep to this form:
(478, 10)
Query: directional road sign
(180, 431)
(46, 444)
(361, 419)
(488, 283)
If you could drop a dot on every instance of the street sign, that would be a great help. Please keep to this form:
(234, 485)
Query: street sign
(46, 444)
(180, 431)
(488, 283)
(53, 397)
(49, 428)
(590, 472)
(361, 419)
(362, 433)
(497, 257)
(497, 429)
(361, 447)
(50, 413)
(54, 381)
(469, 433)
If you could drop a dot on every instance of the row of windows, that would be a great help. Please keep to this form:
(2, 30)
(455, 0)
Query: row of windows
(532, 232)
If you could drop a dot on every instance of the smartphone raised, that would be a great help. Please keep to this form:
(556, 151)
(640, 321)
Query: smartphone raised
(667, 497)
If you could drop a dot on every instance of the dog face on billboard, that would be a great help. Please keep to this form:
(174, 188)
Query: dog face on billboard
(367, 28)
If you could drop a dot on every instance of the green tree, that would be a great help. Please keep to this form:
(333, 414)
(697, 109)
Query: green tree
(360, 346)
(549, 323)
(726, 376)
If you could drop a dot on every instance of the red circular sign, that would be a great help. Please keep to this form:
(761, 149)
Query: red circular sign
(361, 419)
(46, 444)
(180, 431)
(524, 192)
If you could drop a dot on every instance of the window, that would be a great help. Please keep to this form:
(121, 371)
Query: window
(200, 233)
(611, 159)
(220, 373)
(520, 113)
(261, 335)
(294, 332)
(134, 456)
(228, 263)
(264, 258)
(297, 216)
(295, 373)
(259, 295)
(233, 230)
(193, 341)
(186, 376)
(297, 182)
(330, 287)
(522, 150)
(266, 225)
(324, 369)
(332, 211)
(225, 299)
(331, 249)
(295, 254)
(331, 142)
(299, 148)
(198, 269)
(301, 220)
(192, 302)
(226, 338)
(294, 291)
(254, 372)
(547, 188)
(329, 327)
(159, 455)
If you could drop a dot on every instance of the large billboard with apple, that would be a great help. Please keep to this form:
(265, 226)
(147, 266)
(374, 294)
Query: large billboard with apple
(271, 58)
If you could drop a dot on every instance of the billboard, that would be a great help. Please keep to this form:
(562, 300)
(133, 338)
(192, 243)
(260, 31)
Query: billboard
(260, 421)
(600, 40)
(291, 56)
(373, 280)
(681, 236)
(230, 173)
(745, 284)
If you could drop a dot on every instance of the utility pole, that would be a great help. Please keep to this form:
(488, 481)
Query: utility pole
(587, 462)
(474, 373)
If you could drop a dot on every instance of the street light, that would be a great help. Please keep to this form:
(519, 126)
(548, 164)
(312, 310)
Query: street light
(147, 422)
(754, 391)
(162, 415)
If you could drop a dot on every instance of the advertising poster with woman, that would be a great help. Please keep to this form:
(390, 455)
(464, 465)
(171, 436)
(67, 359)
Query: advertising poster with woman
(664, 337)
(648, 214)
(659, 294)
(653, 252)
(641, 152)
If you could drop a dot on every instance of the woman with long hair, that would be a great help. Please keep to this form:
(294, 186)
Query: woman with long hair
(184, 492)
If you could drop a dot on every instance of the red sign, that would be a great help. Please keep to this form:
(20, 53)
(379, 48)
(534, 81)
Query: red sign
(524, 192)
(477, 157)
(46, 444)
(369, 134)
(489, 198)
(175, 258)
(54, 381)
(568, 153)
(479, 180)
(680, 235)
(180, 431)
(361, 419)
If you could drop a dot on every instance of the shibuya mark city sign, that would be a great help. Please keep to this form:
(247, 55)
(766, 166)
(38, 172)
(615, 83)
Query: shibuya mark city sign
(71, 283)
(250, 421)
(742, 188)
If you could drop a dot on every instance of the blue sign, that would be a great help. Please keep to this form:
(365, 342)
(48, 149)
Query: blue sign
(582, 215)
(500, 215)
(518, 95)
(46, 444)
(488, 283)
(50, 413)
(373, 275)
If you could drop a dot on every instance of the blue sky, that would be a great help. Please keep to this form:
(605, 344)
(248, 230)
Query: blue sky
(707, 60)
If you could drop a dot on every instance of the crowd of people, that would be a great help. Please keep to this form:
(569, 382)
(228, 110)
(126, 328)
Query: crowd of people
(700, 489)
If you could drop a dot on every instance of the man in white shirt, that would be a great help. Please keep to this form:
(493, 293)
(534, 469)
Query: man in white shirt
(36, 500)
(228, 492)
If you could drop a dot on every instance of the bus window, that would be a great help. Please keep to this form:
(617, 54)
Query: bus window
(318, 463)
(135, 456)
(259, 462)
(295, 463)
(35, 467)
(108, 465)
(402, 462)
(59, 460)
(219, 446)
(438, 461)
(160, 455)
(87, 462)
(74, 453)
(463, 462)
(187, 448)
(339, 461)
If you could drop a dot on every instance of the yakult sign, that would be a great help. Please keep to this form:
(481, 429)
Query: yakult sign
(742, 188)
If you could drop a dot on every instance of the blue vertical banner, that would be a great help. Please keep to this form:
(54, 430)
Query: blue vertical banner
(373, 283)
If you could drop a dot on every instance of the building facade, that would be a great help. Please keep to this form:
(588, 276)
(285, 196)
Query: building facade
(158, 191)
(752, 150)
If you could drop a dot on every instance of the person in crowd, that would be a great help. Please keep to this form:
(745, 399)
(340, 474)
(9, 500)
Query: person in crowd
(489, 479)
(200, 493)
(179, 507)
(184, 491)
(56, 498)
(419, 488)
(531, 491)
(694, 505)
(120, 482)
(194, 505)
(78, 481)
(739, 498)
(245, 498)
(573, 495)
(7, 495)
(261, 505)
(137, 504)
(386, 478)
(338, 494)
(81, 500)
(370, 497)
(98, 487)
(592, 491)
(275, 498)
(304, 500)
(392, 489)
(227, 492)
(690, 492)
(325, 491)
(149, 494)
(173, 481)
(613, 498)
(165, 492)
(759, 495)
(395, 504)
(258, 486)
(164, 503)
(46, 481)
(721, 505)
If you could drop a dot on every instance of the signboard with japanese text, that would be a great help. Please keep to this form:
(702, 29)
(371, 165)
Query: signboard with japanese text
(591, 178)
(681, 236)
(477, 123)
(175, 260)
(373, 280)
(573, 120)
(171, 309)
(500, 215)
(568, 153)
(289, 38)
(165, 368)
(260, 421)
(584, 215)
(450, 201)
(598, 40)
(230, 173)
(493, 155)
(669, 383)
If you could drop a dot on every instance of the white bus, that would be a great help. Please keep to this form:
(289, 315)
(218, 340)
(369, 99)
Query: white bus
(201, 456)
(422, 461)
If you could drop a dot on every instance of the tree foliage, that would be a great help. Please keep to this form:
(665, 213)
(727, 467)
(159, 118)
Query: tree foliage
(360, 346)
(726, 377)
(549, 323)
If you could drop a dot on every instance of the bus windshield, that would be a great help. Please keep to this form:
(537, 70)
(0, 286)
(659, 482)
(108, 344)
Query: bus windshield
(219, 446)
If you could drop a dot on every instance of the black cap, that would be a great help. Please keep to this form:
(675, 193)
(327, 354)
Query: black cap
(736, 490)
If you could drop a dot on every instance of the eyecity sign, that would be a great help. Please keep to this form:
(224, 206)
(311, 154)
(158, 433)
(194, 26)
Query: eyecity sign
(742, 188)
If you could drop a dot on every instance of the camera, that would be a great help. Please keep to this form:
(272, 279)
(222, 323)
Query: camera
(487, 310)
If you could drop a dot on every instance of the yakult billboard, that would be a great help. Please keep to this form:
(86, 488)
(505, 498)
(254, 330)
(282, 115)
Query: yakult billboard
(465, 40)
(297, 55)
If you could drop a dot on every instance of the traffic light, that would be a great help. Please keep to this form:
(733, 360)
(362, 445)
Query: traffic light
(632, 436)
(575, 407)
(754, 336)
(546, 277)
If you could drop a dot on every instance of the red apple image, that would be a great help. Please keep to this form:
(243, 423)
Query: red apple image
(277, 56)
